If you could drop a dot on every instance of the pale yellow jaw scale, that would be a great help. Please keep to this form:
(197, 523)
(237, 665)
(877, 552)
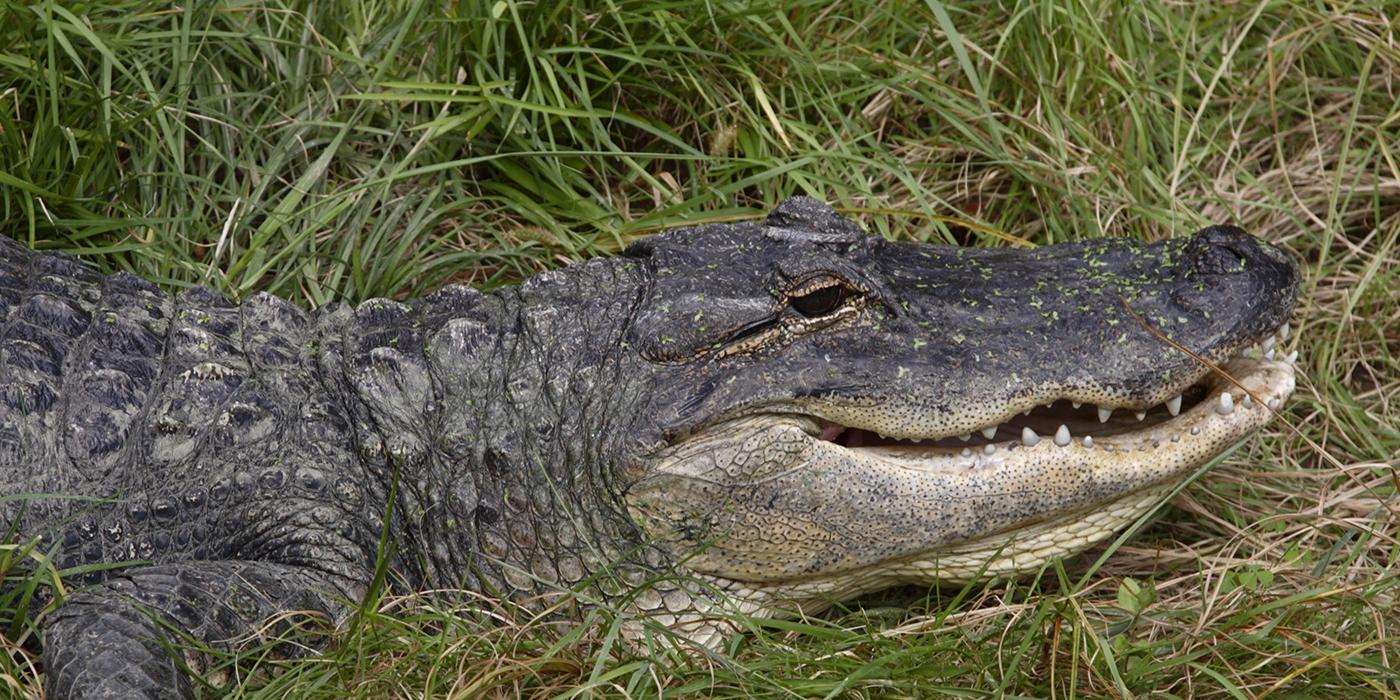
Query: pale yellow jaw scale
(1228, 414)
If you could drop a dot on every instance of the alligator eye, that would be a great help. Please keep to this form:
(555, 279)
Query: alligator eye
(819, 302)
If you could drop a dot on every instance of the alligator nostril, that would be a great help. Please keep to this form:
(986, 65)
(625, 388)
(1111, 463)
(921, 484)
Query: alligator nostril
(1220, 250)
(1216, 260)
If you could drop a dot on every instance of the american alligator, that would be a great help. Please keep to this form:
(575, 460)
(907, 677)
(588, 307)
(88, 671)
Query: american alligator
(762, 418)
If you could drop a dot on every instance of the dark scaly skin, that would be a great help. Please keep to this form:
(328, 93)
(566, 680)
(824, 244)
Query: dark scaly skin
(248, 451)
(238, 460)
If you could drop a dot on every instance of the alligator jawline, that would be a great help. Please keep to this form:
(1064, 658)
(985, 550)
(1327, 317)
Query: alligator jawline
(1079, 419)
(1081, 424)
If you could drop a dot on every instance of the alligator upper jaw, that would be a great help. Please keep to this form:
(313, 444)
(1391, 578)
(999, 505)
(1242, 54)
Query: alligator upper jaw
(1221, 403)
(1057, 413)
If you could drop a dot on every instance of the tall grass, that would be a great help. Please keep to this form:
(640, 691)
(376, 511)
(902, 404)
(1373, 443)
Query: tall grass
(344, 150)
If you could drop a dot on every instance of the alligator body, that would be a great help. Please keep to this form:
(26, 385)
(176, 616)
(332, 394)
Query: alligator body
(765, 417)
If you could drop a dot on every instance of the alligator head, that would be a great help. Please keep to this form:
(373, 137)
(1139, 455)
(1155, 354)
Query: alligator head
(835, 413)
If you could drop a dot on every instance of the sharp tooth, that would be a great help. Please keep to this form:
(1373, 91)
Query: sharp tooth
(1075, 404)
(990, 448)
(1088, 442)
(1174, 405)
(1283, 331)
(1195, 430)
(1269, 355)
(1029, 438)
(1062, 436)
(1247, 401)
(1140, 414)
(1105, 414)
(966, 452)
(965, 437)
(1269, 343)
(1027, 412)
(1227, 404)
(1292, 357)
(1275, 402)
(989, 432)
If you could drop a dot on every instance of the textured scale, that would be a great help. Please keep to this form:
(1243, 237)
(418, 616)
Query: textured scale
(207, 437)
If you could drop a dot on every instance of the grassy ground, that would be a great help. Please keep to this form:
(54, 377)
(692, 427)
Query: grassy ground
(343, 150)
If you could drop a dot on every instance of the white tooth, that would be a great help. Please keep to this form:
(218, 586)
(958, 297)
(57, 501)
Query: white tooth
(1284, 330)
(1027, 412)
(990, 432)
(1292, 357)
(966, 452)
(1029, 438)
(1275, 402)
(1062, 436)
(1104, 414)
(965, 437)
(1088, 442)
(1195, 430)
(1227, 404)
(989, 449)
(1174, 405)
(1269, 355)
(1247, 401)
(1140, 414)
(1269, 343)
(1075, 404)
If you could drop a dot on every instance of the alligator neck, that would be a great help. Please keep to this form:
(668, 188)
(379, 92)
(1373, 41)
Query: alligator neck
(494, 419)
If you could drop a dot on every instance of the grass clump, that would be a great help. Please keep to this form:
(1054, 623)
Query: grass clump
(346, 150)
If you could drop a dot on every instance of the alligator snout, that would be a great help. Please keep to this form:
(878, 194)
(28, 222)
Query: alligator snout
(1224, 265)
(1227, 249)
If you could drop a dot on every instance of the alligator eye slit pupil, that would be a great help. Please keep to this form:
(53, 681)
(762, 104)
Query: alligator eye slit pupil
(819, 302)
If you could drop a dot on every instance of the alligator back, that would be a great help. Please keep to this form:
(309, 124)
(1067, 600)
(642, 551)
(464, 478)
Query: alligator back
(139, 426)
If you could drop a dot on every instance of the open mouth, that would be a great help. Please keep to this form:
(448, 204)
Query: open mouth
(1063, 422)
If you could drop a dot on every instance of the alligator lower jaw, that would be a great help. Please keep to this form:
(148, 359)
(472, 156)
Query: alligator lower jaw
(1045, 498)
(1101, 485)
